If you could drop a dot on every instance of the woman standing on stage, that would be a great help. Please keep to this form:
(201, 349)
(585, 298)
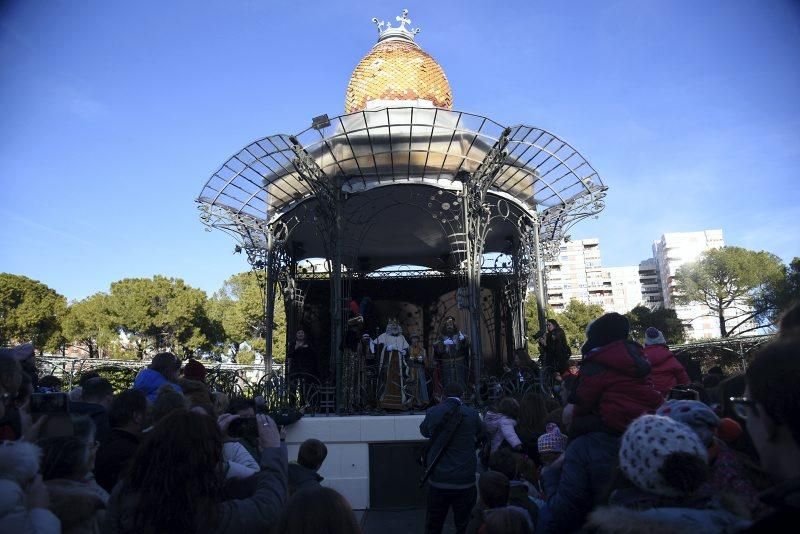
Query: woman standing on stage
(556, 348)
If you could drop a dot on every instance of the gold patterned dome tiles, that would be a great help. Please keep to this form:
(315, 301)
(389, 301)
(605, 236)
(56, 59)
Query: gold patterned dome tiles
(397, 70)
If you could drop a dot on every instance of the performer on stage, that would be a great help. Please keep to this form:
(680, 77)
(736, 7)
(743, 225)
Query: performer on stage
(303, 358)
(417, 361)
(451, 355)
(358, 353)
(393, 347)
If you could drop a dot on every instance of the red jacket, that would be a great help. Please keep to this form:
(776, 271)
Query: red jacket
(614, 383)
(667, 372)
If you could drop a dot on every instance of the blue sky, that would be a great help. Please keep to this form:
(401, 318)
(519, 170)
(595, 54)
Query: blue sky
(115, 113)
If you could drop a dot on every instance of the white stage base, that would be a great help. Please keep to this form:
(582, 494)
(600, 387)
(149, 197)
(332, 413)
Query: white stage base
(346, 469)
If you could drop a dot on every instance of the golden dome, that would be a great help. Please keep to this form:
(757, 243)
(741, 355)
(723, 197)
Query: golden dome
(397, 69)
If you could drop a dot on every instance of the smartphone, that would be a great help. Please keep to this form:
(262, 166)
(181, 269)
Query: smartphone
(683, 394)
(50, 403)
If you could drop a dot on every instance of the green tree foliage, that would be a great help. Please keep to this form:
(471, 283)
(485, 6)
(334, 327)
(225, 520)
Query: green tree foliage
(779, 295)
(239, 308)
(730, 281)
(89, 325)
(30, 311)
(162, 313)
(666, 320)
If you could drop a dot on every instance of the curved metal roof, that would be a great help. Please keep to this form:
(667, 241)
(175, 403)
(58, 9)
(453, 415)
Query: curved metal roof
(541, 173)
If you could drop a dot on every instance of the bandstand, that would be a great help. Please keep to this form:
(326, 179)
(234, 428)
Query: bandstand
(428, 211)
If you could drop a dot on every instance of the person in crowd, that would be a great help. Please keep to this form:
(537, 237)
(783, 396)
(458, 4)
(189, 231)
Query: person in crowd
(167, 401)
(506, 521)
(494, 489)
(67, 464)
(551, 444)
(500, 424)
(50, 384)
(508, 463)
(666, 372)
(127, 417)
(789, 324)
(220, 401)
(318, 510)
(771, 409)
(304, 473)
(10, 384)
(726, 472)
(97, 394)
(240, 462)
(556, 348)
(612, 389)
(76, 393)
(26, 356)
(664, 467)
(163, 369)
(24, 501)
(193, 383)
(614, 385)
(531, 422)
(175, 482)
(452, 476)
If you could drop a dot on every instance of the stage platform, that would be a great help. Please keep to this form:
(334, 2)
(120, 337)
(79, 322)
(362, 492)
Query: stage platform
(364, 449)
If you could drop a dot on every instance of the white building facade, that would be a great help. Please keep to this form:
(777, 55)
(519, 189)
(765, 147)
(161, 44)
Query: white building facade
(674, 250)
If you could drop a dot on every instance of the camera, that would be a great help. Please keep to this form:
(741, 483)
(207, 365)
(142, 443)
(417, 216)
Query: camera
(49, 403)
(683, 393)
(247, 427)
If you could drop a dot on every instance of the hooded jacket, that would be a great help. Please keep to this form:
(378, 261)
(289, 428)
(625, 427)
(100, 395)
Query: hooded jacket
(15, 516)
(501, 428)
(666, 372)
(148, 381)
(633, 510)
(301, 477)
(614, 383)
(79, 507)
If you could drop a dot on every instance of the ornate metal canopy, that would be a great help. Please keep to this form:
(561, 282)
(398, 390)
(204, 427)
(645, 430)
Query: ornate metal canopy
(540, 176)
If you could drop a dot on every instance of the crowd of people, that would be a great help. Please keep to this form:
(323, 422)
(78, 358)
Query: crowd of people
(633, 441)
(168, 455)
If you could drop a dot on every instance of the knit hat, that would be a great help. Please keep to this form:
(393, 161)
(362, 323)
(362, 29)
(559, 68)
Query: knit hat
(194, 370)
(604, 330)
(552, 440)
(653, 336)
(645, 446)
(694, 414)
(729, 430)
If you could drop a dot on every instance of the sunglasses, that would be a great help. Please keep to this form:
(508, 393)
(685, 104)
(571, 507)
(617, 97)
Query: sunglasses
(741, 405)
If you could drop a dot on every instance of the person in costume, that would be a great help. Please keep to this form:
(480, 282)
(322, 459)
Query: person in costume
(451, 355)
(417, 362)
(393, 381)
(303, 358)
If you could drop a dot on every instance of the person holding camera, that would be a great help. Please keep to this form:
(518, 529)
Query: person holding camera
(175, 483)
(556, 349)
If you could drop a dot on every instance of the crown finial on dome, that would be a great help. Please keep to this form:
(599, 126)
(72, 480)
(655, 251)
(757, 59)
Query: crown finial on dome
(386, 31)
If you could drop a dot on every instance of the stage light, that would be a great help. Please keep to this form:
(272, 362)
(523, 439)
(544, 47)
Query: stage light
(320, 122)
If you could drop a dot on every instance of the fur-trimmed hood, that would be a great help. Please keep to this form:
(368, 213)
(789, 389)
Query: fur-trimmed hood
(621, 520)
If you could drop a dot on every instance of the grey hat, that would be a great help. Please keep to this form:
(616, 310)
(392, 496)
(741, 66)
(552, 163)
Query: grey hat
(653, 336)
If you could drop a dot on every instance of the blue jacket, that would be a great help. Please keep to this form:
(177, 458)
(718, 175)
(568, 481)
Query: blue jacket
(580, 484)
(456, 468)
(148, 381)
